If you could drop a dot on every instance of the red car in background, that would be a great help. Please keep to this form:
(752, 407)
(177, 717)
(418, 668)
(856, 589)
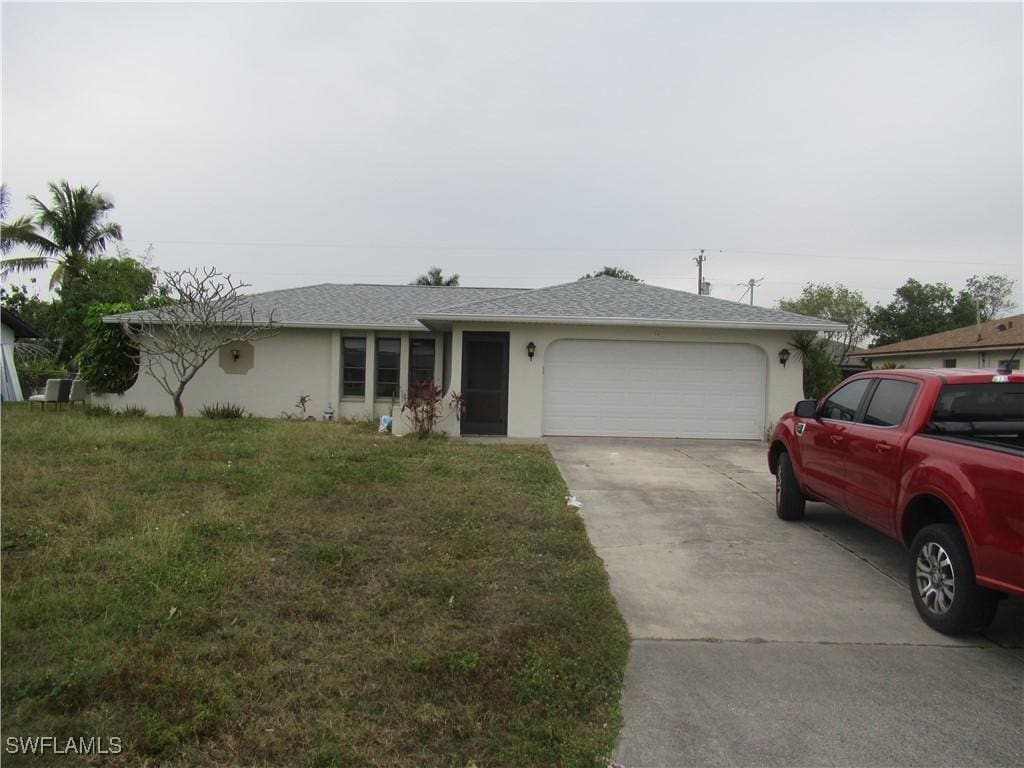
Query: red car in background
(932, 458)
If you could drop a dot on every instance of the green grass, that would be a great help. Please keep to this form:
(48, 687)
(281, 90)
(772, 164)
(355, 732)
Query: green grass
(290, 593)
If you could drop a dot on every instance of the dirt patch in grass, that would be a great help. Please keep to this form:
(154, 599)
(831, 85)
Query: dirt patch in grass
(289, 593)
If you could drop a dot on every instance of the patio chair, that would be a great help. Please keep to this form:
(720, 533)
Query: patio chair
(51, 394)
(79, 392)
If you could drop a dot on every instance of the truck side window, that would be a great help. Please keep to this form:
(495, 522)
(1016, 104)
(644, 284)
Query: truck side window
(843, 404)
(889, 404)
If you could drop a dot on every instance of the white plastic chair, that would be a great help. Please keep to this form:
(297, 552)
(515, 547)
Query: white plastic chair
(79, 392)
(51, 394)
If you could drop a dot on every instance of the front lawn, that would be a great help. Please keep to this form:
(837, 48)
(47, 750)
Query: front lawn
(286, 593)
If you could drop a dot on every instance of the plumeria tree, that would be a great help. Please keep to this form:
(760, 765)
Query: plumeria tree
(207, 311)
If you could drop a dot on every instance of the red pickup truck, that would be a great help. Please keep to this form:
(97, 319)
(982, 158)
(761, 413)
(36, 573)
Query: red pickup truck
(932, 458)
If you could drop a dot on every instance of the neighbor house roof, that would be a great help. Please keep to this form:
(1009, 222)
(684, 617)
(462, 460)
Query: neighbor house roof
(22, 330)
(611, 301)
(332, 305)
(1004, 332)
(596, 300)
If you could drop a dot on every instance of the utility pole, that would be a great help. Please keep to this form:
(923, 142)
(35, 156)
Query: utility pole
(751, 285)
(701, 258)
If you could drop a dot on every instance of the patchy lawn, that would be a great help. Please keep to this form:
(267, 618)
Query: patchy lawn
(285, 593)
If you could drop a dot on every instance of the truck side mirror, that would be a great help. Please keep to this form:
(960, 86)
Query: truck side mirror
(806, 409)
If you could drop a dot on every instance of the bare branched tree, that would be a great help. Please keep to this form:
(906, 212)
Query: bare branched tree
(208, 311)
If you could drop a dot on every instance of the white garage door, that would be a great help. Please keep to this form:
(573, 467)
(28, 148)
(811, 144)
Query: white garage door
(654, 389)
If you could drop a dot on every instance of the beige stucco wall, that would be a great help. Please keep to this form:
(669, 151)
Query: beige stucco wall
(526, 378)
(965, 358)
(290, 363)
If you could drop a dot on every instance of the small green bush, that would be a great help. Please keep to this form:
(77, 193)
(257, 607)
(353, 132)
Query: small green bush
(222, 411)
(134, 411)
(99, 410)
(108, 359)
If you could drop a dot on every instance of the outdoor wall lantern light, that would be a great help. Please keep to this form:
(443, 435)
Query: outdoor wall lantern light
(531, 349)
(235, 354)
(783, 356)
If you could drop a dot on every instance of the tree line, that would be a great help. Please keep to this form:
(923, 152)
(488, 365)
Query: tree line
(917, 309)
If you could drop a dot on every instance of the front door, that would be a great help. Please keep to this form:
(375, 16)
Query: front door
(824, 451)
(485, 383)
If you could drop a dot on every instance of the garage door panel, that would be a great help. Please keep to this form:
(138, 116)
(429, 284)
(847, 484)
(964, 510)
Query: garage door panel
(654, 389)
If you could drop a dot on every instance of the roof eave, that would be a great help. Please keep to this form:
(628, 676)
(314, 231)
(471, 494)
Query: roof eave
(117, 319)
(21, 329)
(439, 320)
(933, 350)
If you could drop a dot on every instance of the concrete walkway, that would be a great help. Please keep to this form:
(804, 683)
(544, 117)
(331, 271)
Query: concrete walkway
(762, 643)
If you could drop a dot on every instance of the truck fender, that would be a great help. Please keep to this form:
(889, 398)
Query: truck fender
(785, 441)
(940, 480)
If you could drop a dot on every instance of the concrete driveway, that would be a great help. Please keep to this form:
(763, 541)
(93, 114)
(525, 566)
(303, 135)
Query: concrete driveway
(763, 643)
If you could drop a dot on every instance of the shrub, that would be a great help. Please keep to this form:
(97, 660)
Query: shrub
(222, 411)
(821, 371)
(99, 410)
(134, 411)
(425, 404)
(108, 359)
(300, 405)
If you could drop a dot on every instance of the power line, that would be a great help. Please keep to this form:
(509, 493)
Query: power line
(560, 248)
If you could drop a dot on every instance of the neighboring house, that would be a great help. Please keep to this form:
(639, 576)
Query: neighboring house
(851, 362)
(854, 362)
(599, 356)
(983, 345)
(13, 327)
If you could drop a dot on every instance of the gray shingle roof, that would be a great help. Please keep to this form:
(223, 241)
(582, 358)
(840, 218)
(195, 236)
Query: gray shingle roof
(609, 300)
(332, 305)
(605, 300)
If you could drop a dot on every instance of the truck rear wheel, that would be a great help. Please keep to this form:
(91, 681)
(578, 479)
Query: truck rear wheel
(789, 501)
(942, 581)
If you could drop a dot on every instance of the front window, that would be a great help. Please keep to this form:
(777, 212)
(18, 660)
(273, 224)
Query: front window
(353, 375)
(1013, 365)
(389, 355)
(421, 363)
(843, 405)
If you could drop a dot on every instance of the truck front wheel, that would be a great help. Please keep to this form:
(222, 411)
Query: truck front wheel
(789, 501)
(946, 595)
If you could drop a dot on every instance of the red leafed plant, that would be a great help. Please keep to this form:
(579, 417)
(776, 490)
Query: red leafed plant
(426, 405)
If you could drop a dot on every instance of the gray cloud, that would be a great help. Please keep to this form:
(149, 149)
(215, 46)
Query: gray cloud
(527, 144)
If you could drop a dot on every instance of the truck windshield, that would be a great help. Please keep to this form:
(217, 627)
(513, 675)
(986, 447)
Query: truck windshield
(991, 401)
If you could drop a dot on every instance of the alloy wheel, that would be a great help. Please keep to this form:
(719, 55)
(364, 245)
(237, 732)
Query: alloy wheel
(935, 578)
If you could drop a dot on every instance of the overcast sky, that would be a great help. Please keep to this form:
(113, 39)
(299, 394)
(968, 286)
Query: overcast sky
(523, 145)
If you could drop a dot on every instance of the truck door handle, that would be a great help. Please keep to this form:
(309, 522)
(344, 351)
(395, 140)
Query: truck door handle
(836, 439)
(883, 447)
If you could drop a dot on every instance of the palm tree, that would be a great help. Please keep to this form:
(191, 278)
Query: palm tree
(434, 277)
(75, 232)
(11, 232)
